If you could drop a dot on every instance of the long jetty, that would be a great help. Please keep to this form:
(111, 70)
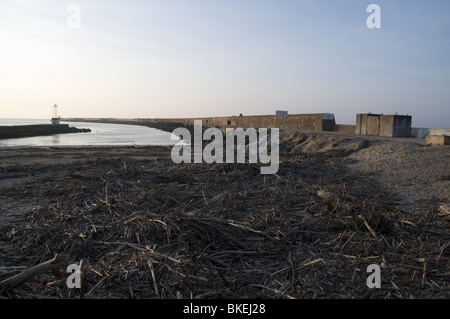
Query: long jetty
(17, 131)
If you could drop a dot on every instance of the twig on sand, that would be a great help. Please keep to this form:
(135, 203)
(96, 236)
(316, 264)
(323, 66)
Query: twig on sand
(29, 274)
(368, 226)
(155, 284)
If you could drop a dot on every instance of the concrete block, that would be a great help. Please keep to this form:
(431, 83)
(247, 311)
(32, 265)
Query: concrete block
(438, 139)
(402, 126)
(386, 125)
(383, 125)
(367, 124)
(373, 125)
(395, 125)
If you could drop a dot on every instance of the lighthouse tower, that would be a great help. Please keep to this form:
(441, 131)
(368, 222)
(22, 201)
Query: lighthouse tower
(55, 118)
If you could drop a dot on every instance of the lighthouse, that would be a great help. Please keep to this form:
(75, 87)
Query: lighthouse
(55, 118)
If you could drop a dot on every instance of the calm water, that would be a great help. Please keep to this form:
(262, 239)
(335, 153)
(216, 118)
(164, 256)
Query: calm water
(101, 134)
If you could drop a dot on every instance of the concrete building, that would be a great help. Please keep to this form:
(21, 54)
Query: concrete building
(383, 125)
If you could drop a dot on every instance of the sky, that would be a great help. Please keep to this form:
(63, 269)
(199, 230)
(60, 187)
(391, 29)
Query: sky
(194, 58)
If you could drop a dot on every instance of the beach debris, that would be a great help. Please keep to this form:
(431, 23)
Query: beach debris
(29, 274)
(214, 230)
(330, 199)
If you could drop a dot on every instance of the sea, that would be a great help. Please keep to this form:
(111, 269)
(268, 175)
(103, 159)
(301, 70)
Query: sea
(101, 134)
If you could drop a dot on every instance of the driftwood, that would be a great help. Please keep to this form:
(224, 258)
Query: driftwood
(155, 229)
(29, 274)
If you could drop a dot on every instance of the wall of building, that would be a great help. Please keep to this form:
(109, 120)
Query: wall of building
(383, 125)
(386, 126)
(368, 124)
(373, 125)
(402, 125)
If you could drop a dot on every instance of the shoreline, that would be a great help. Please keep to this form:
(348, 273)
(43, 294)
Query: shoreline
(163, 126)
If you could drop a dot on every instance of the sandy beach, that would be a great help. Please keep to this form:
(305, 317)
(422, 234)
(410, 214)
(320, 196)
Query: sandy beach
(145, 227)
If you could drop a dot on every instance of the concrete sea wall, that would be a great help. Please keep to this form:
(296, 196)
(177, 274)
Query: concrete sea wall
(366, 124)
(306, 122)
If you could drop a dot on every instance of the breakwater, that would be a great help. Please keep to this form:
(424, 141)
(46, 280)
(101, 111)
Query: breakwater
(17, 131)
(307, 122)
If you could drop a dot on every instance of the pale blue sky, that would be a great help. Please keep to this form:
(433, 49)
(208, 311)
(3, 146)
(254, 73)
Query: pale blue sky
(167, 58)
